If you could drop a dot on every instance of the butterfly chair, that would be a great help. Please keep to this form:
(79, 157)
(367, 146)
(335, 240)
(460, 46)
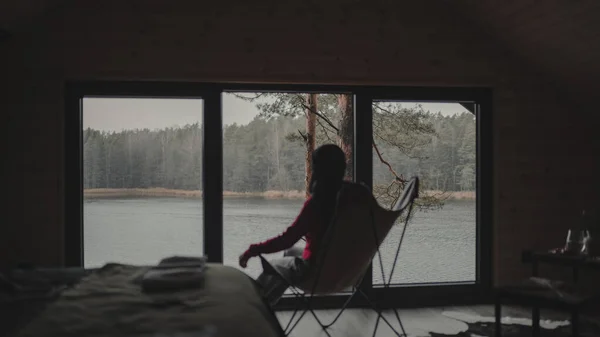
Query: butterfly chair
(351, 241)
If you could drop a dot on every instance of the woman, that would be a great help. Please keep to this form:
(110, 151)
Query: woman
(328, 170)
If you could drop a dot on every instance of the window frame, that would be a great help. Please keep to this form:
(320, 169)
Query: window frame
(212, 207)
(479, 102)
(212, 163)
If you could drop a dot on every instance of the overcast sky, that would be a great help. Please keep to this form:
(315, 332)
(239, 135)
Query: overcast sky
(116, 114)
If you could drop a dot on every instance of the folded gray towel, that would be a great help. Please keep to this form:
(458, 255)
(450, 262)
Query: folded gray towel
(174, 273)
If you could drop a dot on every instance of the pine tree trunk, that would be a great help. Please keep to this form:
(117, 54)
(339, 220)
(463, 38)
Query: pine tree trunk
(129, 163)
(346, 134)
(311, 122)
(107, 165)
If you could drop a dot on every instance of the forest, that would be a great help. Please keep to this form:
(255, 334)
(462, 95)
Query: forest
(268, 155)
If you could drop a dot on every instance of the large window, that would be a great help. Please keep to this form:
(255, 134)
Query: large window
(142, 169)
(161, 169)
(266, 138)
(437, 143)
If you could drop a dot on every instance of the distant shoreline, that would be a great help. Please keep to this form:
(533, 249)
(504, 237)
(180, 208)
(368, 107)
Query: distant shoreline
(104, 193)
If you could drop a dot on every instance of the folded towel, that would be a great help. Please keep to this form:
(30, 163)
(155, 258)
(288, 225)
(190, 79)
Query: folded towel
(174, 273)
(182, 261)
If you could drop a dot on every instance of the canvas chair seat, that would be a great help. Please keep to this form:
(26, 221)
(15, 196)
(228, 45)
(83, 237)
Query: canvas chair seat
(350, 244)
(360, 225)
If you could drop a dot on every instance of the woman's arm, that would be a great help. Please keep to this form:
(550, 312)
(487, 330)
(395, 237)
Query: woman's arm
(289, 237)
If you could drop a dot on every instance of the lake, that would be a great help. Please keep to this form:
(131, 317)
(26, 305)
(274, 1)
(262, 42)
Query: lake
(439, 246)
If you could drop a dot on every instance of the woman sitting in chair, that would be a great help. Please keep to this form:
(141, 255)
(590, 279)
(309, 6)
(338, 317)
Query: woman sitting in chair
(328, 170)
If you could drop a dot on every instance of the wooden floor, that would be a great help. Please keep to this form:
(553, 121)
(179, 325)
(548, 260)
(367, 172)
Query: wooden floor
(426, 322)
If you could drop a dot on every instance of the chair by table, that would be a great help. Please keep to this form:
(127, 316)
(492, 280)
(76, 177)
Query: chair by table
(542, 293)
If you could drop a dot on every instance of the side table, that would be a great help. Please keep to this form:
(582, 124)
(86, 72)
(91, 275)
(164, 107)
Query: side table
(541, 293)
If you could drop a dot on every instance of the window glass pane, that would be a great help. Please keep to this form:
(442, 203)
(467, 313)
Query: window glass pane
(265, 153)
(142, 169)
(437, 142)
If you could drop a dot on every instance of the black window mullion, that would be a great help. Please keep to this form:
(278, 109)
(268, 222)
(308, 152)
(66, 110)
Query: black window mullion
(484, 178)
(363, 157)
(73, 230)
(212, 176)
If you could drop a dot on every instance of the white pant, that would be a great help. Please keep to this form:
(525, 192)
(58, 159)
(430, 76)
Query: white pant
(291, 269)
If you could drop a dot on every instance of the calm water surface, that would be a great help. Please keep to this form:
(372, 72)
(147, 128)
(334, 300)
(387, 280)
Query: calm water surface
(439, 246)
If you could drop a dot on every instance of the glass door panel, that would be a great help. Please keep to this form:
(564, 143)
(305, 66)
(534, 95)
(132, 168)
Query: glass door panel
(142, 179)
(266, 139)
(437, 142)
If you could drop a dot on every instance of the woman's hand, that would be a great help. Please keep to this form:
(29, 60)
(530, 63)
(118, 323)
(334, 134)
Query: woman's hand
(243, 260)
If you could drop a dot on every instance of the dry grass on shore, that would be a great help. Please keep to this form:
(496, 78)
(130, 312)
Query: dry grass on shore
(165, 192)
(456, 195)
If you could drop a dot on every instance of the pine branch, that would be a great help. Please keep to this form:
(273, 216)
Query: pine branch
(320, 115)
(304, 136)
(249, 99)
(405, 146)
(325, 130)
(397, 177)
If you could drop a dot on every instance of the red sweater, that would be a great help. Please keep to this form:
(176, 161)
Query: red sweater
(308, 224)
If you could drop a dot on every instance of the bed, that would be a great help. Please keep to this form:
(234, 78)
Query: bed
(109, 302)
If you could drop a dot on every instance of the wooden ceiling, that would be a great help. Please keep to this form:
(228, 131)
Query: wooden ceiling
(559, 37)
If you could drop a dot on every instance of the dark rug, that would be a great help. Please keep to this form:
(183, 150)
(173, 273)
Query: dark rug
(515, 330)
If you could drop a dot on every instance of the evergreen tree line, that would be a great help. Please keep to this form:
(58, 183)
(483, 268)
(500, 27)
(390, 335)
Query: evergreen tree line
(264, 155)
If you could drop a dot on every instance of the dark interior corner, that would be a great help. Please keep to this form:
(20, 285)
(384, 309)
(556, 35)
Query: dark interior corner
(525, 71)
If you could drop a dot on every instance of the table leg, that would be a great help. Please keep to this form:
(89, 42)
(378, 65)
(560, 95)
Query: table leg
(575, 323)
(535, 322)
(498, 312)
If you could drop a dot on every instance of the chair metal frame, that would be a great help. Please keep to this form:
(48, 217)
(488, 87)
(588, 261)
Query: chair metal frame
(306, 298)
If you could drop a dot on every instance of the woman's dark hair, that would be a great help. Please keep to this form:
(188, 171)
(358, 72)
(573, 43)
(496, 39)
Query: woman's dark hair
(328, 170)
